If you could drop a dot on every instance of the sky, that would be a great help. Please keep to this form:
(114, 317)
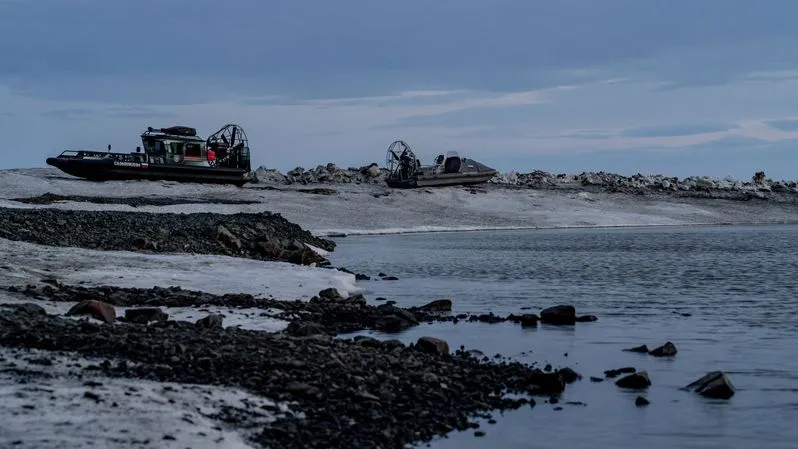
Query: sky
(676, 87)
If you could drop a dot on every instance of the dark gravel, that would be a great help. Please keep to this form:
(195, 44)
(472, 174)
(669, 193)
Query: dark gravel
(263, 236)
(355, 393)
(134, 201)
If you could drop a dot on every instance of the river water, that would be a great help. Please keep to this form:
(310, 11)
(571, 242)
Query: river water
(725, 296)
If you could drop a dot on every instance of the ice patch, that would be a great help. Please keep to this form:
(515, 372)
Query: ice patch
(27, 262)
(62, 412)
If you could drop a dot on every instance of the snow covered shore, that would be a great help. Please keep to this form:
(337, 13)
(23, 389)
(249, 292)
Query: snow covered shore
(344, 203)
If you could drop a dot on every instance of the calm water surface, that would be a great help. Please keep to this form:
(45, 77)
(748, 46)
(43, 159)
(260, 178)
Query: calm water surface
(736, 284)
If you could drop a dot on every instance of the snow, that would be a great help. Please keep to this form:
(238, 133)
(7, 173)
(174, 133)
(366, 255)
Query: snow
(52, 412)
(376, 209)
(28, 263)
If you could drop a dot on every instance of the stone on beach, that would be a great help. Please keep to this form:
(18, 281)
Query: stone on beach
(432, 345)
(95, 309)
(211, 321)
(145, 315)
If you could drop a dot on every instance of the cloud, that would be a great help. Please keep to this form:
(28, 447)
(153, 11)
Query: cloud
(783, 124)
(96, 51)
(688, 129)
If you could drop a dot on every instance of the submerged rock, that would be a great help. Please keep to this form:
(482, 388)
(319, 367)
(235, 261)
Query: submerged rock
(439, 305)
(714, 385)
(641, 349)
(636, 381)
(559, 315)
(666, 350)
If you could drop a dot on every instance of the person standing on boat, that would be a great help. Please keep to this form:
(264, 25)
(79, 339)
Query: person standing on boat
(211, 157)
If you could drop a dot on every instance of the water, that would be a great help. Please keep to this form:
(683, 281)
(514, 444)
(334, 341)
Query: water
(724, 295)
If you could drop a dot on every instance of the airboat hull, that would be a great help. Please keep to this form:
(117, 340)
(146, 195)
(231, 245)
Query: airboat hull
(114, 170)
(441, 180)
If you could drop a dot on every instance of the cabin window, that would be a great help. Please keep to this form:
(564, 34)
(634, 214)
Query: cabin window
(193, 150)
(176, 148)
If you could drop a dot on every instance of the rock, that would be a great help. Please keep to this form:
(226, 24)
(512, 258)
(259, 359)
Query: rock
(27, 307)
(305, 256)
(432, 345)
(545, 383)
(95, 309)
(439, 305)
(569, 375)
(596, 379)
(641, 401)
(145, 315)
(269, 249)
(227, 238)
(211, 321)
(558, 315)
(636, 381)
(640, 349)
(616, 372)
(144, 243)
(331, 294)
(526, 320)
(305, 329)
(666, 350)
(390, 278)
(586, 319)
(714, 384)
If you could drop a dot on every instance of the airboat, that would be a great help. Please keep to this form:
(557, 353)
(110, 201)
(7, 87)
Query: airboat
(406, 170)
(174, 154)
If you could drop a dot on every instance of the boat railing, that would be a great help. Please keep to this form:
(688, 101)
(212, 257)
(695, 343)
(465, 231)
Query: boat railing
(92, 154)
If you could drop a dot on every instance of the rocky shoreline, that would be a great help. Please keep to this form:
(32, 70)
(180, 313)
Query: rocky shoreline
(260, 236)
(327, 313)
(759, 187)
(352, 393)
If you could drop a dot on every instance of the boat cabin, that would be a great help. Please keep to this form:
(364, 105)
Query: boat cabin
(176, 145)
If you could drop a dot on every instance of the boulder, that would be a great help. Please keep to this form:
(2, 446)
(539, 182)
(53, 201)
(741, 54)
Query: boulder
(641, 401)
(305, 329)
(226, 238)
(714, 385)
(617, 372)
(269, 249)
(331, 293)
(305, 256)
(145, 315)
(636, 381)
(439, 305)
(27, 307)
(210, 321)
(559, 315)
(666, 350)
(528, 320)
(96, 309)
(641, 349)
(432, 345)
(540, 382)
(586, 319)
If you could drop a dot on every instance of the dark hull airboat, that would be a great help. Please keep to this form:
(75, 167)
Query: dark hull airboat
(407, 172)
(170, 154)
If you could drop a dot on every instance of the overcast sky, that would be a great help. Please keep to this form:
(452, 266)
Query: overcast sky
(680, 87)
